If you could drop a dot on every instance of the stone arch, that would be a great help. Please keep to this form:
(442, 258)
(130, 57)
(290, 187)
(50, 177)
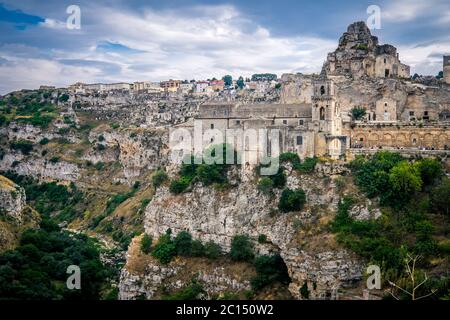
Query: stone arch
(373, 139)
(414, 140)
(322, 113)
(387, 139)
(401, 140)
(360, 139)
(428, 140)
(443, 141)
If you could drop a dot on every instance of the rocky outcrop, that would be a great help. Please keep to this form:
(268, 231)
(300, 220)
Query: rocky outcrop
(311, 254)
(12, 199)
(143, 276)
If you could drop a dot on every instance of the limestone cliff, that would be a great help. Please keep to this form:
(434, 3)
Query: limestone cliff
(301, 238)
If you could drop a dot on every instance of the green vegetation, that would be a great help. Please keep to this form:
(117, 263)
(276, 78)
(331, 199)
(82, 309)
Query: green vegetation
(190, 292)
(44, 141)
(183, 245)
(158, 178)
(362, 46)
(269, 269)
(262, 238)
(146, 244)
(241, 248)
(415, 198)
(36, 269)
(304, 291)
(24, 146)
(228, 80)
(292, 200)
(358, 113)
(64, 97)
(212, 169)
(265, 185)
(164, 249)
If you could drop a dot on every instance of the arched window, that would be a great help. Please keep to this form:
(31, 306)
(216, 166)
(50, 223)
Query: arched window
(322, 113)
(322, 90)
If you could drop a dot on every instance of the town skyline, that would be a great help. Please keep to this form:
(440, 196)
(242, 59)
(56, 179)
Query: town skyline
(137, 41)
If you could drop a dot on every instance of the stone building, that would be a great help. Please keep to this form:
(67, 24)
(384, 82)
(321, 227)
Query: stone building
(313, 116)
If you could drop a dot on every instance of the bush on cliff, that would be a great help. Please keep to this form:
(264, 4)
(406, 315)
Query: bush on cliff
(241, 248)
(292, 200)
(165, 249)
(146, 244)
(158, 178)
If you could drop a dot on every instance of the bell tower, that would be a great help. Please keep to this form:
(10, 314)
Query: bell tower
(446, 69)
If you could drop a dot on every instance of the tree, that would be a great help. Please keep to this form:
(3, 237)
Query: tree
(358, 113)
(412, 282)
(165, 249)
(440, 75)
(292, 200)
(146, 243)
(405, 181)
(241, 248)
(183, 243)
(430, 170)
(228, 80)
(212, 250)
(440, 199)
(240, 83)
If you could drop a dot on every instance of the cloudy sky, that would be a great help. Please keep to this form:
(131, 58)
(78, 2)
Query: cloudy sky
(196, 39)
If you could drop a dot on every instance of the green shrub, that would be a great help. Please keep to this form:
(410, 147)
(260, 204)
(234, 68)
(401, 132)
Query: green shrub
(114, 126)
(265, 186)
(99, 166)
(158, 178)
(358, 113)
(191, 292)
(269, 269)
(183, 243)
(210, 173)
(146, 244)
(43, 141)
(64, 97)
(292, 200)
(262, 238)
(179, 186)
(2, 120)
(144, 203)
(24, 146)
(164, 250)
(278, 179)
(304, 291)
(241, 248)
(308, 165)
(212, 250)
(440, 197)
(197, 249)
(430, 170)
(54, 159)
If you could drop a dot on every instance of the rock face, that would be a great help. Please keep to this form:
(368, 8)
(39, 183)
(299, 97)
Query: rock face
(12, 199)
(311, 254)
(143, 276)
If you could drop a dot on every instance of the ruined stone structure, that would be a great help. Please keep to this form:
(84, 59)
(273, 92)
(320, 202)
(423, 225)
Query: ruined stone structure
(314, 118)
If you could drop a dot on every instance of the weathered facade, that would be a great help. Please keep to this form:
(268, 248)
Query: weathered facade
(313, 116)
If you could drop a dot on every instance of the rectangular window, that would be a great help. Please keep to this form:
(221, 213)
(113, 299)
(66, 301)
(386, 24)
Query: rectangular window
(425, 113)
(299, 140)
(284, 121)
(300, 122)
(411, 113)
(212, 125)
(238, 122)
